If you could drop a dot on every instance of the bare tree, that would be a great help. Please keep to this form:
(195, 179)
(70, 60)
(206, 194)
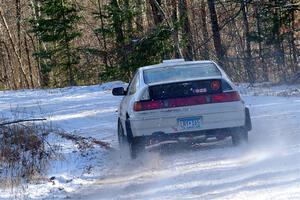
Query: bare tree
(156, 11)
(21, 66)
(186, 30)
(204, 30)
(248, 54)
(216, 33)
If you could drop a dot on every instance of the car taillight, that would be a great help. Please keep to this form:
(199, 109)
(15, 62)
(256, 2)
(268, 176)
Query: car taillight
(147, 105)
(225, 97)
(137, 106)
(187, 101)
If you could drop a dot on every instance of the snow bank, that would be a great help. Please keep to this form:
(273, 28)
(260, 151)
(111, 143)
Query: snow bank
(85, 110)
(268, 89)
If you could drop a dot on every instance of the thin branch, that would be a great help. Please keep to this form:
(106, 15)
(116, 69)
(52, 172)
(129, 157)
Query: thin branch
(221, 27)
(22, 120)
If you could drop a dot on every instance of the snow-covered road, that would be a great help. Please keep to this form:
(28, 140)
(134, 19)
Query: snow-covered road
(267, 168)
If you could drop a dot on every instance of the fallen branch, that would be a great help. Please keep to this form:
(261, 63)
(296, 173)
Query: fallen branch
(84, 141)
(21, 120)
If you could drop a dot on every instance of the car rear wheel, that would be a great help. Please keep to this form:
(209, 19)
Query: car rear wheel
(121, 137)
(129, 144)
(136, 147)
(239, 136)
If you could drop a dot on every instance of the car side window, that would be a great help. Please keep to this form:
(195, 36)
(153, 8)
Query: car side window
(133, 84)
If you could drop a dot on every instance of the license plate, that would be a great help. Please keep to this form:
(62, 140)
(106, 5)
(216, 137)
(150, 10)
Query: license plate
(189, 123)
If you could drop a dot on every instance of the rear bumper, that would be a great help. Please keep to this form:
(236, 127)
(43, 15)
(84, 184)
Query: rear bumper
(207, 136)
(168, 125)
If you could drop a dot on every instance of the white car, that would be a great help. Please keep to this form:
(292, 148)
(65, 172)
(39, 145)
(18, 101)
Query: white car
(180, 101)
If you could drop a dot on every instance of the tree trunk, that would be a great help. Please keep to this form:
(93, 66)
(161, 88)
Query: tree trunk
(139, 18)
(105, 58)
(177, 50)
(29, 62)
(260, 48)
(36, 13)
(128, 20)
(156, 13)
(295, 53)
(69, 62)
(216, 34)
(278, 46)
(204, 30)
(14, 48)
(188, 51)
(248, 55)
(12, 72)
(18, 24)
(3, 71)
(117, 24)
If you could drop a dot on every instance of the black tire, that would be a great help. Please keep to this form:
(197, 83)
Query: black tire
(239, 136)
(248, 124)
(129, 144)
(136, 147)
(123, 143)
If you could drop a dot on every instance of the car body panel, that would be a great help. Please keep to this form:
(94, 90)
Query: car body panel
(213, 116)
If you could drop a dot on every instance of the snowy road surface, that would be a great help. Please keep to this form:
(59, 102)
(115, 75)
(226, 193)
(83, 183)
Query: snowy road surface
(268, 168)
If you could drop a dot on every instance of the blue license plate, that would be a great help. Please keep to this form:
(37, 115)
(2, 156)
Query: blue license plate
(189, 123)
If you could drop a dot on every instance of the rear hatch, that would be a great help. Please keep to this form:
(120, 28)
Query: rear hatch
(185, 89)
(189, 106)
(168, 96)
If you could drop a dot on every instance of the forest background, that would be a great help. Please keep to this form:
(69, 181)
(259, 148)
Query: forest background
(58, 43)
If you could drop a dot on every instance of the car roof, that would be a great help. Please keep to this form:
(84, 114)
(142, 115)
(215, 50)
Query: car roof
(180, 62)
(174, 62)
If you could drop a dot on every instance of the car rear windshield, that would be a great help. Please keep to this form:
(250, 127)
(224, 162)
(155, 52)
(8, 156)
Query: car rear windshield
(180, 72)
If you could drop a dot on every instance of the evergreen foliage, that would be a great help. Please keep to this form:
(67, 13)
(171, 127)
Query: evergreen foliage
(132, 48)
(253, 40)
(56, 28)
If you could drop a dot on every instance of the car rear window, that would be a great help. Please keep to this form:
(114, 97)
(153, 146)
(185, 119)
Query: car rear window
(180, 72)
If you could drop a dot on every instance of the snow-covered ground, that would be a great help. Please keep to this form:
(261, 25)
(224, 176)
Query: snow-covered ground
(267, 168)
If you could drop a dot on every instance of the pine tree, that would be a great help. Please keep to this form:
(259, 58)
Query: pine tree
(132, 46)
(56, 27)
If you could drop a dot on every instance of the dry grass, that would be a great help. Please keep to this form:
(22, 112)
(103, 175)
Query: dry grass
(24, 152)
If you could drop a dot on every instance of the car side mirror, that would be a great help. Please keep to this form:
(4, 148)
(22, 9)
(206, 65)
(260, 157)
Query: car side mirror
(119, 91)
